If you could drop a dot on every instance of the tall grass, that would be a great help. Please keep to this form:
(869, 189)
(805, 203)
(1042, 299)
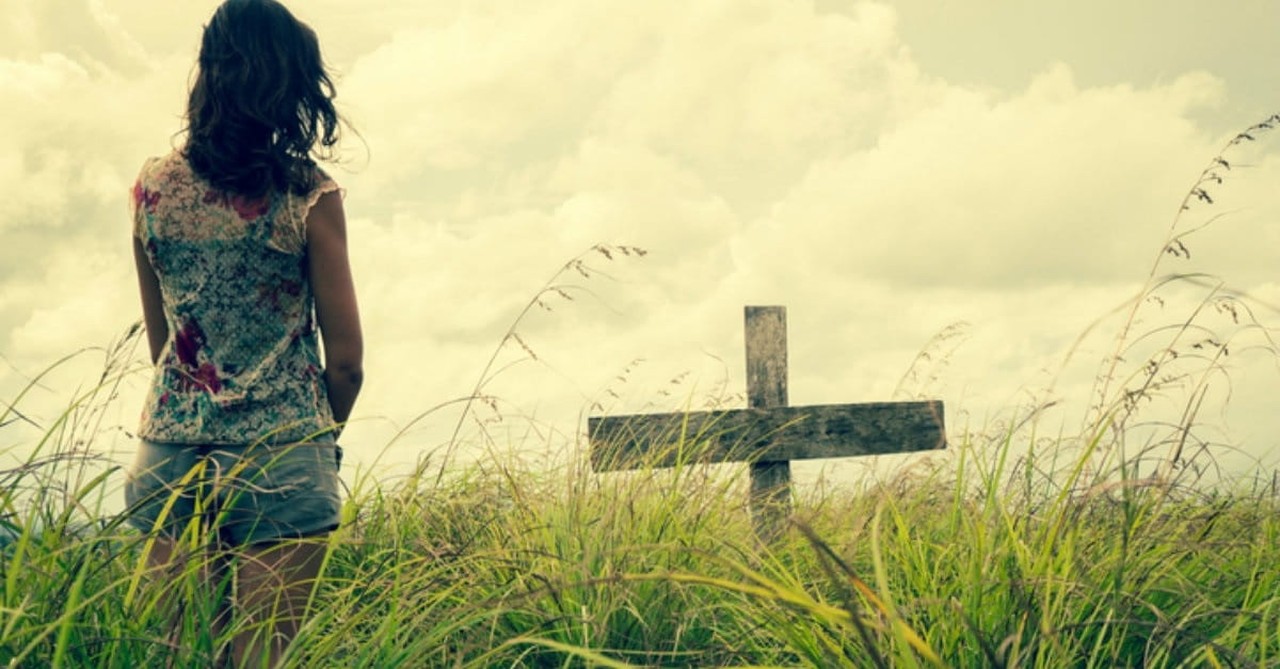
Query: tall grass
(947, 566)
(1011, 550)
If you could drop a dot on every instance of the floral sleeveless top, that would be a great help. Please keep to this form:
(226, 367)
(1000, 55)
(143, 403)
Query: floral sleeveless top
(241, 363)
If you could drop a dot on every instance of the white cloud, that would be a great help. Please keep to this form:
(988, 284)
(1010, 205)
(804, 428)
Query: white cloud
(468, 92)
(18, 27)
(1040, 187)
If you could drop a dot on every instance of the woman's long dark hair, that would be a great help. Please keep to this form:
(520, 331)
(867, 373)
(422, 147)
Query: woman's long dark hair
(261, 102)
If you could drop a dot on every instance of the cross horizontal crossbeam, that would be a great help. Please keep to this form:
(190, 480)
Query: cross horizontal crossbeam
(777, 434)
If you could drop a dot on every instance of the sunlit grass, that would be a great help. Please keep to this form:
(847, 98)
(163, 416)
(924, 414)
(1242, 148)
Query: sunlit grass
(969, 561)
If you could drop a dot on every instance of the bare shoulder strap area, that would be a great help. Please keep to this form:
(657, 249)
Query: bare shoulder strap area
(139, 197)
(296, 209)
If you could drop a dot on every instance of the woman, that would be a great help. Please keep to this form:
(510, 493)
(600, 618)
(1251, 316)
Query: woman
(240, 242)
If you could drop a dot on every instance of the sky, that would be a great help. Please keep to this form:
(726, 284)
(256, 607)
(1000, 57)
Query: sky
(951, 199)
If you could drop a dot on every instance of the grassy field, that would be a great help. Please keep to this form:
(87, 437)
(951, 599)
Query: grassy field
(1098, 548)
(973, 561)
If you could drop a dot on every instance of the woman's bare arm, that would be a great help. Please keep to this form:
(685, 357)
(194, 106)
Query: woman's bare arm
(336, 311)
(152, 306)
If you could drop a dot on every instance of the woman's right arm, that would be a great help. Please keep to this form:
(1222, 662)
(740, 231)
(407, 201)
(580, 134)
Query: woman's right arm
(336, 310)
(152, 303)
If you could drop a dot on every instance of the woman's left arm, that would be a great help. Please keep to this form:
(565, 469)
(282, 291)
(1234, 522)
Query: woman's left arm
(152, 306)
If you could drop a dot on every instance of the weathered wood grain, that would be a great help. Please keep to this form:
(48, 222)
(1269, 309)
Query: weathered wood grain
(765, 331)
(765, 435)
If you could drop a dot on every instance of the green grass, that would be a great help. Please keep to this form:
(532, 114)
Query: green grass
(970, 562)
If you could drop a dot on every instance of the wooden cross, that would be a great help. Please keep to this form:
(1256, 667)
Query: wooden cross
(768, 434)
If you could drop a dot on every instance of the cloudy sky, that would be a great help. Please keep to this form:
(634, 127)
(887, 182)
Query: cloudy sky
(1004, 172)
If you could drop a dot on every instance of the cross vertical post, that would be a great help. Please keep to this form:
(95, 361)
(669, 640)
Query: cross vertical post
(766, 344)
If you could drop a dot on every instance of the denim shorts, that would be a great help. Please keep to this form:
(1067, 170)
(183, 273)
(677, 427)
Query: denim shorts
(238, 495)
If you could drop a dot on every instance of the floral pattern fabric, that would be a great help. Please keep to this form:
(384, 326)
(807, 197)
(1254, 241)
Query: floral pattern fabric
(242, 360)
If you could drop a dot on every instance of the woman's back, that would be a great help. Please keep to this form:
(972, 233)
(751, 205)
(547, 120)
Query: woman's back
(241, 362)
